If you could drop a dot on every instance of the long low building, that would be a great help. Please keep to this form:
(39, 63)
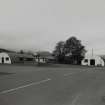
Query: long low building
(11, 58)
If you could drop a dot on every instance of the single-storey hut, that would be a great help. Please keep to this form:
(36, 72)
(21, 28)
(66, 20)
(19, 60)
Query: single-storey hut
(11, 58)
(93, 60)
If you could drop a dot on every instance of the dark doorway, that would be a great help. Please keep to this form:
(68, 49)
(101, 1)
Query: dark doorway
(2, 60)
(92, 62)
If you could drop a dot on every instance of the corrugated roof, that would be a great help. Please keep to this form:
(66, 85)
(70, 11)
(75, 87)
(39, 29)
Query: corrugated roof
(20, 55)
(103, 57)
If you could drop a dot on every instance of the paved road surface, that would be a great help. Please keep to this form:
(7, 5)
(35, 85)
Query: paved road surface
(29, 85)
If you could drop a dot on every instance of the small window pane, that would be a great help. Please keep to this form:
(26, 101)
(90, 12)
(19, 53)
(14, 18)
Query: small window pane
(86, 60)
(21, 58)
(7, 59)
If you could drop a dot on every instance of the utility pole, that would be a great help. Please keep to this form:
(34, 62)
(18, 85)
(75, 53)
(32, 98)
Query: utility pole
(92, 52)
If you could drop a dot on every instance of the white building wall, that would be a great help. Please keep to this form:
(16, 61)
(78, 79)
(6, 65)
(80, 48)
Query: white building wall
(98, 60)
(41, 60)
(5, 56)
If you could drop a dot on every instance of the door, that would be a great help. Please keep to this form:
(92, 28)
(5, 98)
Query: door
(92, 62)
(2, 60)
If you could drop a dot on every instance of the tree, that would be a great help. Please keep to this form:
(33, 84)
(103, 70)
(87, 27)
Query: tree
(74, 49)
(59, 52)
(21, 52)
(71, 51)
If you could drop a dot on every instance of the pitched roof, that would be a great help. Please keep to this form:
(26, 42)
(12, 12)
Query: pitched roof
(103, 57)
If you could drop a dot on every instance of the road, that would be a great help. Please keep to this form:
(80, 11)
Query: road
(71, 85)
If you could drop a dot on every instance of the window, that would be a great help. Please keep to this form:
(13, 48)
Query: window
(21, 59)
(29, 59)
(92, 62)
(86, 60)
(7, 59)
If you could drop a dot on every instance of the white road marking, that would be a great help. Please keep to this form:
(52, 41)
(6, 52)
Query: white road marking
(74, 102)
(24, 86)
(68, 74)
(72, 73)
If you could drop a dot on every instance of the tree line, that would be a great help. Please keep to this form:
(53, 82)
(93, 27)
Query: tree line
(70, 51)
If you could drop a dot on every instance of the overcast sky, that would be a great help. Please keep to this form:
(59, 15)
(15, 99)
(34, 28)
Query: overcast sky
(40, 24)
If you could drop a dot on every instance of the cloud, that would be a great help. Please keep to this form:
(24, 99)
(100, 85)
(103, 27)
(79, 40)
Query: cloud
(40, 24)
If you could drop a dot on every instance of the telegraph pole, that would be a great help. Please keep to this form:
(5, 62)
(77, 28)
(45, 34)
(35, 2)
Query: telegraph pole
(92, 52)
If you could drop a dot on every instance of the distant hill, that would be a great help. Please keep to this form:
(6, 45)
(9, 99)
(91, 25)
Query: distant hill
(5, 50)
(45, 54)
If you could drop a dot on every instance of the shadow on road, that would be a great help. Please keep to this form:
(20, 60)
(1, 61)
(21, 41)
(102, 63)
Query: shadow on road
(5, 73)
